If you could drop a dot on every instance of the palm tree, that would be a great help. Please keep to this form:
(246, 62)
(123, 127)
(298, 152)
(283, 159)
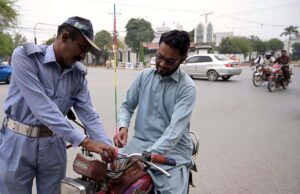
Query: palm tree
(290, 31)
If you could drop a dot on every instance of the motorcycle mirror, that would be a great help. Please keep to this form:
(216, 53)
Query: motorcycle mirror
(71, 116)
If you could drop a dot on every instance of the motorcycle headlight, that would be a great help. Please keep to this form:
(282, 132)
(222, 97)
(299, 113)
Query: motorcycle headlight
(75, 186)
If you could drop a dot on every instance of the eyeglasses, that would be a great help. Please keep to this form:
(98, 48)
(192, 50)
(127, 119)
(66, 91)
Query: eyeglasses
(168, 61)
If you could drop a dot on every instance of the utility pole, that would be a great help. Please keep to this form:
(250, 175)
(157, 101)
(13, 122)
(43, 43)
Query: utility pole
(115, 50)
(115, 35)
(206, 14)
(205, 27)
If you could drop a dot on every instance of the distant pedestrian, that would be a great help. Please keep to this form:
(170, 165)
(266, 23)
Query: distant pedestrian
(9, 60)
(108, 63)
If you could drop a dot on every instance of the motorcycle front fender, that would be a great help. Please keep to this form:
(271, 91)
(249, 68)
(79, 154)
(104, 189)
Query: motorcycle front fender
(141, 182)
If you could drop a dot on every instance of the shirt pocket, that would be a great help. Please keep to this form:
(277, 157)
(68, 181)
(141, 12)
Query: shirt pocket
(64, 103)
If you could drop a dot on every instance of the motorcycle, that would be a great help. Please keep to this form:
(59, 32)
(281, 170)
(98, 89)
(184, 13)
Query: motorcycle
(261, 74)
(277, 79)
(98, 177)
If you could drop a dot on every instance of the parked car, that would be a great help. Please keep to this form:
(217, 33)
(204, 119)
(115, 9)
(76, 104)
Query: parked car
(5, 73)
(211, 66)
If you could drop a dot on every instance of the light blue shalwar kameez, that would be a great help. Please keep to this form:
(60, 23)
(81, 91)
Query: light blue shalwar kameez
(40, 94)
(162, 123)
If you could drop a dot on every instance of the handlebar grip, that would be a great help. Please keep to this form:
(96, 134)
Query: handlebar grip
(156, 158)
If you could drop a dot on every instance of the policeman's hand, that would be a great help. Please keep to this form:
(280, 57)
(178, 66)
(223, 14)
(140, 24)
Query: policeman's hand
(107, 152)
(121, 141)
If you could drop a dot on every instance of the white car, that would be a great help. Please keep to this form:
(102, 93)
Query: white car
(211, 66)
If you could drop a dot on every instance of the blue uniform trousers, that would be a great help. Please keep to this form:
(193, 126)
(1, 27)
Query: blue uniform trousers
(24, 158)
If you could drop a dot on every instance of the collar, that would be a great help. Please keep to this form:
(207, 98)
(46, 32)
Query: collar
(174, 76)
(50, 55)
(50, 58)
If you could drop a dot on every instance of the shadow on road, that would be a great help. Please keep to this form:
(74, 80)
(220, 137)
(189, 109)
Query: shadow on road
(217, 81)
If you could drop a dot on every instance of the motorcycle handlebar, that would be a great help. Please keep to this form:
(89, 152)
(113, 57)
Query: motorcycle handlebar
(148, 159)
(159, 159)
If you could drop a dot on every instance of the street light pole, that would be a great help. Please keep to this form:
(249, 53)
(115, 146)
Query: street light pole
(34, 29)
(34, 34)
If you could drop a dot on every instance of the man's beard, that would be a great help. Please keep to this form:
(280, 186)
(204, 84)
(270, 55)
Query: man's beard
(165, 72)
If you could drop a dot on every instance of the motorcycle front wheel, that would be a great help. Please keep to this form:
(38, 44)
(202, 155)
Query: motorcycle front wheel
(257, 80)
(271, 85)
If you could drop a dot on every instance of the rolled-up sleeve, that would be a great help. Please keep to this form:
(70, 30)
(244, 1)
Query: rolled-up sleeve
(179, 122)
(27, 81)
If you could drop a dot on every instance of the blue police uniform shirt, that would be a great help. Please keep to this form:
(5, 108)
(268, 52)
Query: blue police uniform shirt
(40, 94)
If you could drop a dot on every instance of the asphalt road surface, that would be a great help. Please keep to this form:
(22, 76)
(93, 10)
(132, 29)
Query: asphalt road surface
(249, 137)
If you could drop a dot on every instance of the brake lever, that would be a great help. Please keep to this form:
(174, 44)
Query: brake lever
(158, 168)
(147, 163)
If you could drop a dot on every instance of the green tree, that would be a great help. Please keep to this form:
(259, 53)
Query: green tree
(8, 14)
(6, 45)
(296, 51)
(142, 53)
(104, 41)
(120, 44)
(226, 46)
(192, 35)
(243, 45)
(19, 40)
(290, 31)
(274, 44)
(138, 31)
(235, 45)
(258, 45)
(50, 40)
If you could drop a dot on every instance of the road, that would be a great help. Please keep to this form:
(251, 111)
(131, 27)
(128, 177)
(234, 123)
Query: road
(249, 137)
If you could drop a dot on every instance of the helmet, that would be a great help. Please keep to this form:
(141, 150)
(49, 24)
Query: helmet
(268, 53)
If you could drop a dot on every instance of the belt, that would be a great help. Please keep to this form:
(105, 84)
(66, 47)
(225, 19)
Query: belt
(27, 130)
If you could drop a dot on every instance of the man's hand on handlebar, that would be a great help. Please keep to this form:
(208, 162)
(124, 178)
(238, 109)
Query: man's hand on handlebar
(121, 140)
(107, 152)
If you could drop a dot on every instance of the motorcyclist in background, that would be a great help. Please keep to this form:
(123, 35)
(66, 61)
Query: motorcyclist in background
(264, 61)
(268, 60)
(284, 61)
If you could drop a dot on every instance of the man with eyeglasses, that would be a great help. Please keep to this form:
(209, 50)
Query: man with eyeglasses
(165, 97)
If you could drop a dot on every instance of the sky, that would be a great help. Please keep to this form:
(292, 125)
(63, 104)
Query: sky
(263, 18)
